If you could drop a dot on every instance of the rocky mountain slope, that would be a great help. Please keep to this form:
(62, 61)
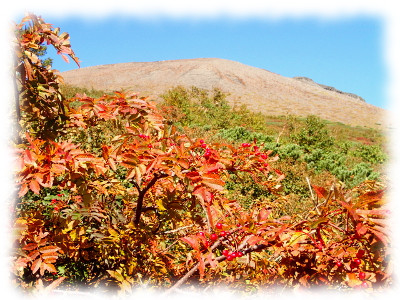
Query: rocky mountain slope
(261, 90)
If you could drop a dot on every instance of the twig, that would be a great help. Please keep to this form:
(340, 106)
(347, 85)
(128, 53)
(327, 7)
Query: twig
(177, 229)
(280, 133)
(219, 258)
(312, 196)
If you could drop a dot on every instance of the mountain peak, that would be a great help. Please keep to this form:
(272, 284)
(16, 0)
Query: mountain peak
(259, 89)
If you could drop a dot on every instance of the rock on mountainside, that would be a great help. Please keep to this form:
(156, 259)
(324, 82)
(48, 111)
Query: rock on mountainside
(329, 88)
(261, 90)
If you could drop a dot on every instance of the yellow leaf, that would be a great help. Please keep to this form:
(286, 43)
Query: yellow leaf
(160, 204)
(70, 226)
(297, 237)
(72, 234)
(113, 232)
(116, 275)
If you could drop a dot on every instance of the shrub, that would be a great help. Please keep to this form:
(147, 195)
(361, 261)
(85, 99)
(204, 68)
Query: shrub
(241, 134)
(370, 153)
(335, 163)
(290, 151)
(313, 135)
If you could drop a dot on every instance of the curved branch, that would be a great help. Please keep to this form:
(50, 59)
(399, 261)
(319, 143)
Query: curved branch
(142, 193)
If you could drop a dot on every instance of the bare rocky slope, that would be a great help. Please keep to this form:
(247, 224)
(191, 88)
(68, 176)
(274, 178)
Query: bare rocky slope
(261, 90)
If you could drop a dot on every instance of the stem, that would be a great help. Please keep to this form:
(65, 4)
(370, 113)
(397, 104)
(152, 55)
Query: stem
(17, 107)
(142, 193)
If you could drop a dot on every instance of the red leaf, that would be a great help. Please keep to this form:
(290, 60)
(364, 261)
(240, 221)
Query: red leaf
(361, 229)
(105, 152)
(201, 267)
(321, 192)
(194, 176)
(350, 209)
(264, 213)
(204, 195)
(192, 241)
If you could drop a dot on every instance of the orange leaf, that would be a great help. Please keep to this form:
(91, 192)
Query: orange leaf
(183, 163)
(214, 183)
(352, 279)
(36, 265)
(111, 162)
(33, 254)
(49, 249)
(23, 190)
(211, 260)
(256, 239)
(57, 168)
(209, 168)
(380, 235)
(65, 58)
(49, 267)
(34, 186)
(201, 267)
(29, 246)
(55, 283)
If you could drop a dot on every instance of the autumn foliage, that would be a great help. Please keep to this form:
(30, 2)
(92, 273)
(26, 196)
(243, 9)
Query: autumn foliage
(110, 194)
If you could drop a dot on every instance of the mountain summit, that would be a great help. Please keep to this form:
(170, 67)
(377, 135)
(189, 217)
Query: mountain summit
(261, 90)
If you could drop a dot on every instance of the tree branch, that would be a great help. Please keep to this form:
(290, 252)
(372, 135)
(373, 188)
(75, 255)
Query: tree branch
(142, 193)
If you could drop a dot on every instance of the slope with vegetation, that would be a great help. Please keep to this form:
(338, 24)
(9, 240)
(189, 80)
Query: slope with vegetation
(260, 90)
(114, 192)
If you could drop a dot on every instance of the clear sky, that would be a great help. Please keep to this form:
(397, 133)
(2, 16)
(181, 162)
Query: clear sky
(346, 53)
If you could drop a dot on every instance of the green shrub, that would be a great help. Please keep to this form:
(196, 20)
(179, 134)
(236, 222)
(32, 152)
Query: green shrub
(370, 153)
(241, 134)
(313, 135)
(70, 91)
(335, 163)
(292, 151)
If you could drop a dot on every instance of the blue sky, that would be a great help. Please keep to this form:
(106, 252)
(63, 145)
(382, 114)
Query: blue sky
(346, 53)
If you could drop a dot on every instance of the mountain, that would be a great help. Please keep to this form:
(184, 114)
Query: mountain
(261, 90)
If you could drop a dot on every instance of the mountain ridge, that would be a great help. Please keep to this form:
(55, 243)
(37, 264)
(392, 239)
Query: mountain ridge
(259, 89)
